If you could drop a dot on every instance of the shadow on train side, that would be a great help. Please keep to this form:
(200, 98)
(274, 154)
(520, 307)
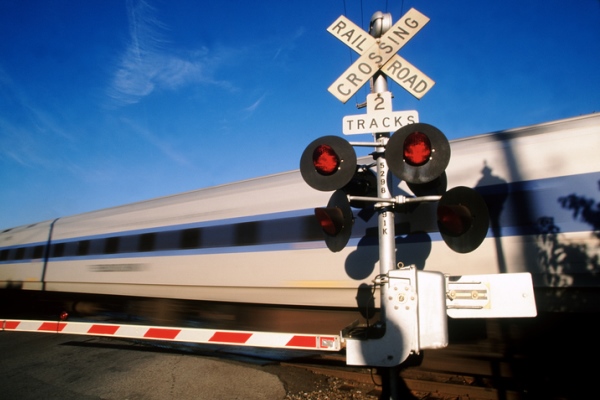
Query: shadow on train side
(540, 226)
(548, 356)
(566, 262)
(361, 263)
(495, 193)
(563, 267)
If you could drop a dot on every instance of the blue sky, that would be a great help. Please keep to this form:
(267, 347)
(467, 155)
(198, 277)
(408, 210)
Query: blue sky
(109, 102)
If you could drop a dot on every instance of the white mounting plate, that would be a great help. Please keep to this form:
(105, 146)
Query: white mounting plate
(490, 296)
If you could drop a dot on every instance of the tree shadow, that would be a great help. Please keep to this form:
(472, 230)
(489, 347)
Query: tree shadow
(565, 262)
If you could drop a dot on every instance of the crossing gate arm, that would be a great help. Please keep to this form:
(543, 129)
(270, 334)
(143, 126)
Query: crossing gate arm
(490, 296)
(188, 335)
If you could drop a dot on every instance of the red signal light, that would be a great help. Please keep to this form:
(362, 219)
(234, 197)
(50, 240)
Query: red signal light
(417, 149)
(418, 153)
(328, 163)
(454, 220)
(325, 160)
(331, 220)
(463, 219)
(336, 221)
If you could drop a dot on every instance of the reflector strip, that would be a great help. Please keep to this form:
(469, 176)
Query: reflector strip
(303, 341)
(191, 335)
(11, 325)
(52, 326)
(230, 337)
(158, 333)
(103, 330)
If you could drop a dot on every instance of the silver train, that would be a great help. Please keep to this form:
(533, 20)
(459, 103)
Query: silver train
(257, 241)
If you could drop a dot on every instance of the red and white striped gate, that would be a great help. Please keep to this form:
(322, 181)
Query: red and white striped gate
(190, 335)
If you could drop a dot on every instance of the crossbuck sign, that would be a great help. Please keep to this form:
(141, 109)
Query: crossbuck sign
(380, 54)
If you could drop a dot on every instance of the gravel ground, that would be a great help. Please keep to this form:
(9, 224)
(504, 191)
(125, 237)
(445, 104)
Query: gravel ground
(336, 389)
(302, 384)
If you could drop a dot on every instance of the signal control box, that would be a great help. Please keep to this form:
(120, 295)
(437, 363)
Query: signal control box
(412, 321)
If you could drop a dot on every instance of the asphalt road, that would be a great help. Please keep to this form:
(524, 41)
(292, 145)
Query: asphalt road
(52, 366)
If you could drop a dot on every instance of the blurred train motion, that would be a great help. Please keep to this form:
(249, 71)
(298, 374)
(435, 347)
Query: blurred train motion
(257, 244)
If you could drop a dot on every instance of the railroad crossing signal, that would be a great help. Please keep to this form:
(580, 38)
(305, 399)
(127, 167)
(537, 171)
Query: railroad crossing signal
(380, 55)
(417, 154)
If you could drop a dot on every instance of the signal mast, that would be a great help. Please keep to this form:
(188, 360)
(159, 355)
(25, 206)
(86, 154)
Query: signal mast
(416, 153)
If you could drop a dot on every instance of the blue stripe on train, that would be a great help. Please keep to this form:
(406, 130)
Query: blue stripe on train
(554, 205)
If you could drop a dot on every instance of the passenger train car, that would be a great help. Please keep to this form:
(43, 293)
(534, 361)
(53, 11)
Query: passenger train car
(258, 242)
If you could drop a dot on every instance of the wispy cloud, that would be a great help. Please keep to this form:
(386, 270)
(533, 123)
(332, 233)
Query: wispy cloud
(17, 145)
(289, 43)
(28, 133)
(250, 109)
(163, 146)
(148, 64)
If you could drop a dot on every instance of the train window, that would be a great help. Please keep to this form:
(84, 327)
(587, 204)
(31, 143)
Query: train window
(20, 253)
(83, 247)
(4, 255)
(58, 249)
(96, 246)
(246, 234)
(190, 238)
(167, 240)
(217, 236)
(11, 254)
(310, 230)
(112, 245)
(129, 244)
(70, 249)
(281, 230)
(28, 253)
(289, 230)
(146, 242)
(38, 252)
